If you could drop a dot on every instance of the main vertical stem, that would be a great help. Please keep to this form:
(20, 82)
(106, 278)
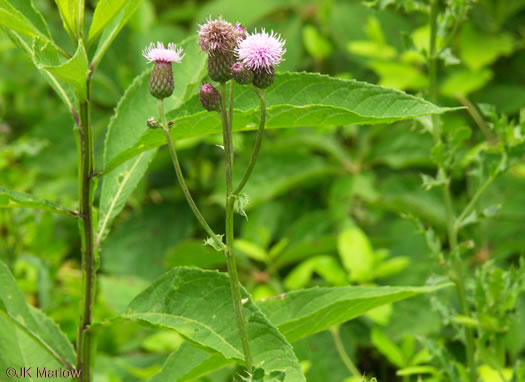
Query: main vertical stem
(230, 256)
(452, 233)
(88, 249)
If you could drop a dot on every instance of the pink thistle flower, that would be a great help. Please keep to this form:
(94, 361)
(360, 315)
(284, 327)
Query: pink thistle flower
(240, 31)
(217, 36)
(261, 51)
(160, 54)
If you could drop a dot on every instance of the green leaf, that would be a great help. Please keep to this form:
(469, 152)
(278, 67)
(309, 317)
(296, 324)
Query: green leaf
(129, 123)
(463, 82)
(389, 349)
(294, 100)
(316, 45)
(302, 313)
(12, 199)
(72, 14)
(198, 305)
(28, 337)
(479, 50)
(22, 17)
(75, 71)
(112, 29)
(188, 363)
(356, 253)
(105, 12)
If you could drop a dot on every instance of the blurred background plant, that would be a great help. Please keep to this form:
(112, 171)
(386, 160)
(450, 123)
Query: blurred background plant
(351, 205)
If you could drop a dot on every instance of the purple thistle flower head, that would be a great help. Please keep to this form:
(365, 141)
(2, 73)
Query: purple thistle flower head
(261, 51)
(160, 54)
(240, 31)
(217, 37)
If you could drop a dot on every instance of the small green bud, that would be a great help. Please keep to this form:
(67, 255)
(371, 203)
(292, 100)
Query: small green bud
(219, 66)
(153, 123)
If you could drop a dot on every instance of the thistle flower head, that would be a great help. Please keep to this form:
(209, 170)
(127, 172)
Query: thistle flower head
(158, 53)
(261, 51)
(240, 31)
(210, 98)
(217, 36)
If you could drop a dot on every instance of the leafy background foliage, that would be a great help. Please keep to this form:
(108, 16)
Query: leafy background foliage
(311, 189)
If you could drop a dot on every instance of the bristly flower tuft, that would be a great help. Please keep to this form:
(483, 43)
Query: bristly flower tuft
(240, 31)
(160, 54)
(261, 51)
(217, 37)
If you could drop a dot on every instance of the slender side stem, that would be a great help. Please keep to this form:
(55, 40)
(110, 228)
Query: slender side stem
(230, 256)
(476, 116)
(257, 147)
(180, 177)
(88, 248)
(457, 264)
(339, 346)
(470, 206)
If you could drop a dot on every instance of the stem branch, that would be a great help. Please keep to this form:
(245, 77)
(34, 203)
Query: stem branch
(339, 346)
(230, 256)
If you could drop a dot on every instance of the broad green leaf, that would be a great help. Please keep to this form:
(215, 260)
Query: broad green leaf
(105, 12)
(302, 313)
(294, 100)
(129, 123)
(28, 337)
(463, 82)
(113, 28)
(72, 14)
(188, 363)
(11, 199)
(198, 305)
(22, 17)
(75, 71)
(356, 253)
(479, 50)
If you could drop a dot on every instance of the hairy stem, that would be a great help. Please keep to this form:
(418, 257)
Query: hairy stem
(182, 182)
(230, 256)
(339, 346)
(452, 232)
(258, 141)
(88, 248)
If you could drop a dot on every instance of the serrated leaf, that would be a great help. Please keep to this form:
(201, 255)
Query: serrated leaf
(105, 12)
(72, 14)
(12, 199)
(198, 305)
(75, 71)
(302, 313)
(294, 100)
(28, 337)
(129, 123)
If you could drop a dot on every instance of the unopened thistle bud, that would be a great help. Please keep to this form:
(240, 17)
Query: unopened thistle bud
(153, 123)
(219, 38)
(210, 98)
(241, 74)
(260, 53)
(161, 81)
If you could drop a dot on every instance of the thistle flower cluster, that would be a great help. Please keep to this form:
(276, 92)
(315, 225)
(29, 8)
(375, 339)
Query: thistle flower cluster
(161, 81)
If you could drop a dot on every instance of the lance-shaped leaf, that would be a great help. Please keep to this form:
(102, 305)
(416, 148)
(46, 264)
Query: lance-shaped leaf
(198, 305)
(129, 123)
(11, 199)
(21, 16)
(294, 100)
(297, 314)
(28, 337)
(75, 71)
(105, 12)
(72, 14)
(305, 312)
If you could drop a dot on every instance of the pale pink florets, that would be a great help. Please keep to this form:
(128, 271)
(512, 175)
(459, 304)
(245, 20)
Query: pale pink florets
(160, 54)
(261, 51)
